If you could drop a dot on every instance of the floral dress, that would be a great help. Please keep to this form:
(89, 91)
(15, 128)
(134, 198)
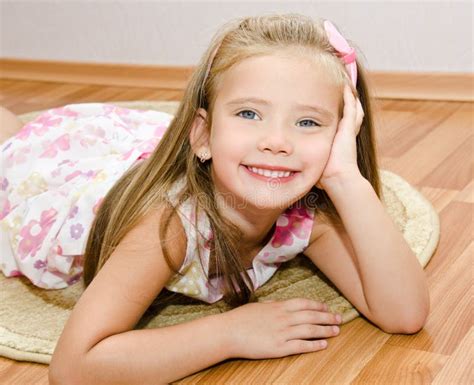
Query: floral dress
(54, 175)
(290, 237)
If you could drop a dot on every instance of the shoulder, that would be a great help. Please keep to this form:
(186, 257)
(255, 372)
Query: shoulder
(163, 226)
(321, 224)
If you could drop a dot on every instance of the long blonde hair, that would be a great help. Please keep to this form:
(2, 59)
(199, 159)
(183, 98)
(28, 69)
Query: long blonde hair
(144, 185)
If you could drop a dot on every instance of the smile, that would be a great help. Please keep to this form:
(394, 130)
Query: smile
(262, 174)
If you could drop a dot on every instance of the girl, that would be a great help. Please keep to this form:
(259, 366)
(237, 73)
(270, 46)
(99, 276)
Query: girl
(271, 153)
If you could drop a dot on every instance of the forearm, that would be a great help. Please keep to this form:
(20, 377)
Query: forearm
(157, 356)
(393, 280)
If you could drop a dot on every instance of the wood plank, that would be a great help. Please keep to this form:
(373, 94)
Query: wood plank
(456, 171)
(450, 296)
(400, 131)
(467, 193)
(22, 372)
(458, 368)
(423, 86)
(397, 365)
(438, 197)
(431, 151)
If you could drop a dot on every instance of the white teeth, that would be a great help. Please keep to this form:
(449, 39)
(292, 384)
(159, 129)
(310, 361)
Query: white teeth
(271, 174)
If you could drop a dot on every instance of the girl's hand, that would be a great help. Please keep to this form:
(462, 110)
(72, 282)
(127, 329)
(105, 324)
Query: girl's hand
(278, 329)
(343, 157)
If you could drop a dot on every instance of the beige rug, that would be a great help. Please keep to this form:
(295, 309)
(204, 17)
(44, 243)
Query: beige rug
(31, 319)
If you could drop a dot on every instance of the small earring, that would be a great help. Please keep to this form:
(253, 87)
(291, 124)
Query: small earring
(202, 157)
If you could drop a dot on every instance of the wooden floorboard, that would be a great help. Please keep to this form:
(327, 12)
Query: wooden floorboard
(429, 144)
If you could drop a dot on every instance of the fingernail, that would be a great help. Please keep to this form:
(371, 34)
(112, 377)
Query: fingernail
(338, 318)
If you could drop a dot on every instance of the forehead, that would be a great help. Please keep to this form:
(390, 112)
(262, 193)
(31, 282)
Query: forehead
(280, 77)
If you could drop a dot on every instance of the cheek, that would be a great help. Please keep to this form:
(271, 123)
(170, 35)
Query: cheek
(228, 141)
(316, 155)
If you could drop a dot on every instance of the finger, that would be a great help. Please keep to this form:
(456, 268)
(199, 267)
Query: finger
(297, 304)
(305, 332)
(303, 346)
(313, 317)
(349, 111)
(360, 115)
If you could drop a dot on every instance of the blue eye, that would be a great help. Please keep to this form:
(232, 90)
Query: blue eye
(238, 113)
(312, 121)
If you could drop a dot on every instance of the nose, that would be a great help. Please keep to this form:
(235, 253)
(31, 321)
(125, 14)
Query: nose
(276, 141)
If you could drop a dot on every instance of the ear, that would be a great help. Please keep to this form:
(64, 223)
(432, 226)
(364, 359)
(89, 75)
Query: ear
(199, 134)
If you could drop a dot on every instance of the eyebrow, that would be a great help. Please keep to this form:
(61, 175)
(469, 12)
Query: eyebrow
(317, 109)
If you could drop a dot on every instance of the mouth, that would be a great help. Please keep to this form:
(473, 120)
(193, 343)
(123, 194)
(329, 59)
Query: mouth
(265, 174)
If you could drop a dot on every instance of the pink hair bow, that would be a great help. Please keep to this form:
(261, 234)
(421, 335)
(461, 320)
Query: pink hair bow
(346, 53)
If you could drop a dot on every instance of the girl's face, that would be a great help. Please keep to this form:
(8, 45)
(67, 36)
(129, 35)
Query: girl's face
(280, 129)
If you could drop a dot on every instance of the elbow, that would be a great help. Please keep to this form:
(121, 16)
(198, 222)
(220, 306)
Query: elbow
(410, 324)
(406, 328)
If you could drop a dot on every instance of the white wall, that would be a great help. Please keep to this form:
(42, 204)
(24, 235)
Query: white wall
(418, 36)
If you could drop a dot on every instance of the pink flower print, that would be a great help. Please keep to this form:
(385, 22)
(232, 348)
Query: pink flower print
(76, 231)
(34, 232)
(148, 146)
(56, 172)
(127, 154)
(89, 174)
(282, 235)
(110, 108)
(97, 205)
(39, 265)
(145, 155)
(280, 259)
(63, 162)
(17, 157)
(209, 241)
(303, 223)
(5, 209)
(192, 215)
(159, 131)
(73, 212)
(62, 143)
(266, 255)
(72, 176)
(3, 183)
(15, 273)
(74, 279)
(38, 126)
(87, 142)
(292, 224)
(64, 111)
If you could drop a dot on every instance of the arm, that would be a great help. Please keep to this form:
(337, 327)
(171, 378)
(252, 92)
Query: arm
(369, 260)
(157, 356)
(98, 345)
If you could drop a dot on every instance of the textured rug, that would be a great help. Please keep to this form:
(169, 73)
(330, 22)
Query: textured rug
(31, 319)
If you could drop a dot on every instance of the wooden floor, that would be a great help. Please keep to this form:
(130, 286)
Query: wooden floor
(429, 144)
